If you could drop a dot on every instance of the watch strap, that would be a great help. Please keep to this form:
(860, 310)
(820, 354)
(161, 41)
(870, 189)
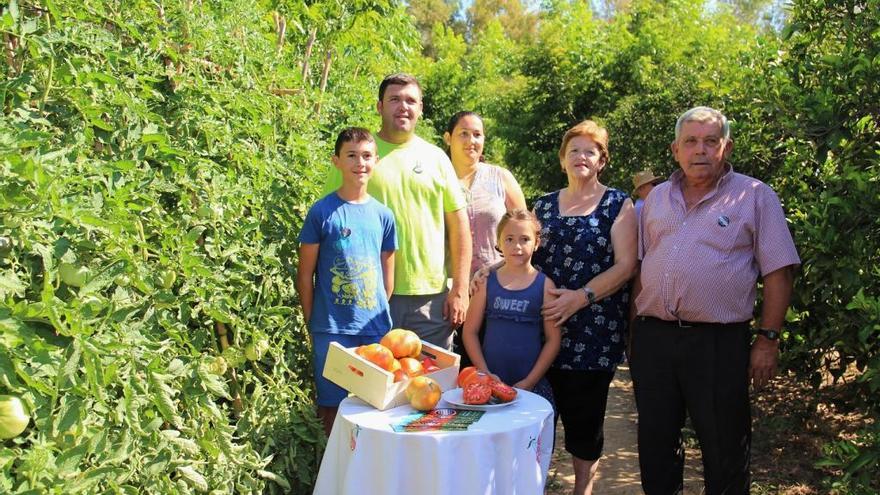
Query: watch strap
(591, 296)
(768, 333)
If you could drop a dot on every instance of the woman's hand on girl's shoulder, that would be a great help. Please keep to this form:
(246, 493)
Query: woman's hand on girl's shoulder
(479, 277)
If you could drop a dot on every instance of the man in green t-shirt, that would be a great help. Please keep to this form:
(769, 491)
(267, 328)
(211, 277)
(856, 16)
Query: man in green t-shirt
(415, 179)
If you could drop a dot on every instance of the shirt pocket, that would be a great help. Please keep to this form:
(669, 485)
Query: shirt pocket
(725, 235)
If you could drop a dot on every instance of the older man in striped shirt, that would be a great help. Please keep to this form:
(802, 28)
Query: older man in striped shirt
(705, 236)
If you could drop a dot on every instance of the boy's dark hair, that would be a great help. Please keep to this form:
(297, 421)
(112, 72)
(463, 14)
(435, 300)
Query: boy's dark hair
(399, 79)
(352, 135)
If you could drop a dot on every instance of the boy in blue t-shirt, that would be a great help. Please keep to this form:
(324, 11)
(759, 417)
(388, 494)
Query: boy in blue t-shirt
(346, 264)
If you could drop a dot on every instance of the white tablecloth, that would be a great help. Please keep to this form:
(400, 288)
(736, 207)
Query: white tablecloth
(506, 452)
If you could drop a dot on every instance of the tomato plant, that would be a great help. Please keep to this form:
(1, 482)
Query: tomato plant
(156, 160)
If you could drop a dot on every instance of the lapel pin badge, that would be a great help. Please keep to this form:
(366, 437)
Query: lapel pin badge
(723, 221)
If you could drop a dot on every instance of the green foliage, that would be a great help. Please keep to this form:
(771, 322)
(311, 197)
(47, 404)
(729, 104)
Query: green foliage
(156, 161)
(805, 119)
(824, 92)
(859, 466)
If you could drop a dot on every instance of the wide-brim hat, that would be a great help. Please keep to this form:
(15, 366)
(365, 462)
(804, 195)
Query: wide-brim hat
(644, 177)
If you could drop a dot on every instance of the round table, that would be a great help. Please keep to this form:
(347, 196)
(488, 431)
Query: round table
(507, 451)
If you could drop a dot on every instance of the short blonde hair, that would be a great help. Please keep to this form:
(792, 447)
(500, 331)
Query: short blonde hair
(589, 129)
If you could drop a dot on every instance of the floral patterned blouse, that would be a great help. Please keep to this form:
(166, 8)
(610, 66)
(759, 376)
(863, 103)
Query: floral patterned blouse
(573, 250)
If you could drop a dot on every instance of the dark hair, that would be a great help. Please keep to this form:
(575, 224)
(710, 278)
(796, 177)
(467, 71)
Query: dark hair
(398, 79)
(352, 135)
(453, 121)
(521, 215)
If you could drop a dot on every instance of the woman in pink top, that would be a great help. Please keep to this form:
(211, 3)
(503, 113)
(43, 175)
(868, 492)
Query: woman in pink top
(491, 190)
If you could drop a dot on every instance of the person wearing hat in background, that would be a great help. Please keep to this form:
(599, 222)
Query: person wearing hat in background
(643, 182)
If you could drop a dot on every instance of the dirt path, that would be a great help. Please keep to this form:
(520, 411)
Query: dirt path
(619, 467)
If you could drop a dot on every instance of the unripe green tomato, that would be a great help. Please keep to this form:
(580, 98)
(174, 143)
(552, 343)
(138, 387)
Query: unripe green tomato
(13, 418)
(167, 278)
(73, 275)
(250, 352)
(217, 366)
(255, 350)
(122, 280)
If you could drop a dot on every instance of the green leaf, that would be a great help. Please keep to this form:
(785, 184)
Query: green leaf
(194, 233)
(161, 396)
(7, 372)
(121, 450)
(93, 476)
(68, 415)
(213, 383)
(274, 477)
(69, 460)
(101, 123)
(11, 285)
(72, 365)
(865, 458)
(193, 478)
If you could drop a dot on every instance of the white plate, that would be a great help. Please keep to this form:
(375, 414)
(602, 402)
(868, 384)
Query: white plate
(453, 396)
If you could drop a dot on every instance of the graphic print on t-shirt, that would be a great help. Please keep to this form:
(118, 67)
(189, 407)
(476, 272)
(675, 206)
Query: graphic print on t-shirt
(511, 304)
(354, 282)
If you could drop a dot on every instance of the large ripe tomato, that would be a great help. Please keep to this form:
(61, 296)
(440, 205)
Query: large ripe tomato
(476, 393)
(13, 418)
(402, 343)
(473, 376)
(423, 393)
(412, 367)
(502, 391)
(465, 374)
(376, 354)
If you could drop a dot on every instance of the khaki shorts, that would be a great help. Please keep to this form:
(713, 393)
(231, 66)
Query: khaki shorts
(424, 316)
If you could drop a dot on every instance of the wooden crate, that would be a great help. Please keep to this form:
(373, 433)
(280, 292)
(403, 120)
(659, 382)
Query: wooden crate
(375, 385)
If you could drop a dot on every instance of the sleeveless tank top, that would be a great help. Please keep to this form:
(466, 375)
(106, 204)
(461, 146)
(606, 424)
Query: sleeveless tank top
(514, 327)
(486, 206)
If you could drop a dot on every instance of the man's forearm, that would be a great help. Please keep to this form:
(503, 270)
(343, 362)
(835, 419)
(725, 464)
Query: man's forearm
(777, 296)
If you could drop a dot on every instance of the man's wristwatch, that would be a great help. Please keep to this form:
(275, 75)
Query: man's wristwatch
(768, 333)
(591, 296)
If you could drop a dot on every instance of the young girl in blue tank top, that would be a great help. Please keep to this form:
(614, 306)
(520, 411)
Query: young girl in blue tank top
(510, 301)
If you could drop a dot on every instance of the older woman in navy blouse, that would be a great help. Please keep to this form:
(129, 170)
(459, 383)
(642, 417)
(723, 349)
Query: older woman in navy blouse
(588, 248)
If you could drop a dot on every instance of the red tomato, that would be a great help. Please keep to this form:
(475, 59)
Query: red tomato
(502, 391)
(476, 393)
(464, 374)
